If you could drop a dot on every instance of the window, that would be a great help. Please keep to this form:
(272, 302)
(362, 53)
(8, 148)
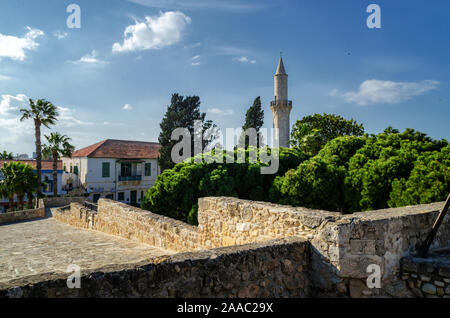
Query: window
(97, 197)
(65, 168)
(121, 196)
(125, 169)
(47, 185)
(105, 170)
(75, 170)
(148, 169)
(71, 168)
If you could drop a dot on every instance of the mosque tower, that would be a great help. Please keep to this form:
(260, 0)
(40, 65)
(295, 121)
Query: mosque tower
(281, 107)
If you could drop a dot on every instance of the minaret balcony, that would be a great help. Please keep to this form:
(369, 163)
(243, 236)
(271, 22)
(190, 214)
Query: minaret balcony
(281, 103)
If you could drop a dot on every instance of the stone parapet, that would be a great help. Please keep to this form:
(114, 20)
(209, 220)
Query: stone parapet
(342, 247)
(276, 268)
(11, 217)
(427, 277)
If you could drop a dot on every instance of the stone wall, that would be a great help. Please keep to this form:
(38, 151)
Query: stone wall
(134, 224)
(76, 215)
(342, 246)
(383, 237)
(275, 268)
(427, 277)
(59, 201)
(21, 215)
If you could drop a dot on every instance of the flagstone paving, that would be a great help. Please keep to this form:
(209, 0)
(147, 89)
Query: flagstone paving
(46, 245)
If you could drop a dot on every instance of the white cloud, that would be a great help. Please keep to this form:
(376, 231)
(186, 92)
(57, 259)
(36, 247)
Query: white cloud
(10, 104)
(90, 58)
(244, 59)
(217, 111)
(386, 92)
(14, 47)
(195, 60)
(154, 32)
(16, 136)
(192, 46)
(68, 118)
(230, 50)
(5, 78)
(127, 107)
(60, 35)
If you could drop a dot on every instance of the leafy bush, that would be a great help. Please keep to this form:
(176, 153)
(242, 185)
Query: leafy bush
(350, 173)
(384, 158)
(176, 191)
(429, 180)
(312, 133)
(319, 181)
(372, 172)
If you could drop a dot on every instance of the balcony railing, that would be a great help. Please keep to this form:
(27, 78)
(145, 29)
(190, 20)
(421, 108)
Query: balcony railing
(130, 178)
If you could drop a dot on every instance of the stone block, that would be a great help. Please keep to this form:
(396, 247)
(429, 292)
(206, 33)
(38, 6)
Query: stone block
(429, 289)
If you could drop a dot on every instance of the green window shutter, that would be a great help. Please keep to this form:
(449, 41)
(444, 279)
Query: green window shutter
(148, 169)
(105, 170)
(75, 170)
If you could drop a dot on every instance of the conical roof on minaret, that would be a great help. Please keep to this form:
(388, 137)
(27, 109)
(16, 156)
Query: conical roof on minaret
(280, 68)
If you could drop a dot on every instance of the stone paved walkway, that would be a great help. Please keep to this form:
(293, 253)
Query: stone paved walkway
(46, 245)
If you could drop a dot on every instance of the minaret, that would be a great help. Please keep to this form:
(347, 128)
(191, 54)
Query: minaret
(281, 107)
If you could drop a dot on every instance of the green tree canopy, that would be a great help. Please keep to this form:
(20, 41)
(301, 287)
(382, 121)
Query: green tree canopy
(372, 172)
(311, 133)
(181, 113)
(18, 179)
(176, 191)
(254, 118)
(6, 155)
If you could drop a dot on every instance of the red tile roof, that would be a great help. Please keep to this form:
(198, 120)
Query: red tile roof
(120, 149)
(46, 164)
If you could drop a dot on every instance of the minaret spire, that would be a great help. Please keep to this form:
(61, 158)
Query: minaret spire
(280, 68)
(281, 107)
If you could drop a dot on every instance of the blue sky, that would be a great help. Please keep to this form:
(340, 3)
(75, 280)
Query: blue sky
(226, 52)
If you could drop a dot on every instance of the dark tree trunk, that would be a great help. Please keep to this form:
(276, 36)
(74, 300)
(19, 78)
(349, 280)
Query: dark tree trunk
(11, 203)
(55, 175)
(20, 202)
(37, 125)
(30, 200)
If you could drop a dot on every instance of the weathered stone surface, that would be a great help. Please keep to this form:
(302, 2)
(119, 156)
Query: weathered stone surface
(439, 284)
(429, 289)
(333, 263)
(417, 292)
(134, 224)
(209, 273)
(21, 215)
(43, 246)
(429, 271)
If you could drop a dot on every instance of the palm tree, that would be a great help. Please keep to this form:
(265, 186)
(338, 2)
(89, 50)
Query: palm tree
(58, 146)
(43, 113)
(6, 155)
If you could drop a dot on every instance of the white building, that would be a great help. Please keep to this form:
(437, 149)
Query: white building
(114, 169)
